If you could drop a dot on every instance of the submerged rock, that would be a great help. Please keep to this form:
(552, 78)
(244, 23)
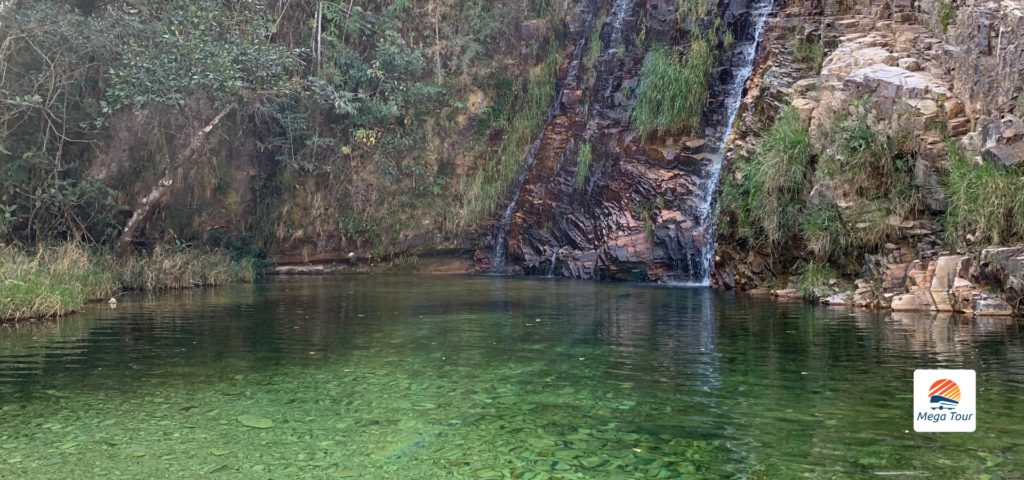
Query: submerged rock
(255, 422)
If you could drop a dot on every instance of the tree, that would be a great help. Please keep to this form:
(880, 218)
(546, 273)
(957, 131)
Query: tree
(51, 60)
(198, 57)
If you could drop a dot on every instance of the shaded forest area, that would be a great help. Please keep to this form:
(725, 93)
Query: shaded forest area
(259, 125)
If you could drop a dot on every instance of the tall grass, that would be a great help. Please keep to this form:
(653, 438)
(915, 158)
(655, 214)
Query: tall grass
(825, 232)
(765, 200)
(58, 280)
(672, 92)
(583, 158)
(51, 282)
(594, 48)
(689, 11)
(985, 201)
(174, 269)
(491, 184)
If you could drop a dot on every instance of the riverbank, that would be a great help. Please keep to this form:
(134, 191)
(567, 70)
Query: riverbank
(58, 280)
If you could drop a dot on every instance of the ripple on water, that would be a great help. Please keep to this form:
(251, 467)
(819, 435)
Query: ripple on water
(385, 377)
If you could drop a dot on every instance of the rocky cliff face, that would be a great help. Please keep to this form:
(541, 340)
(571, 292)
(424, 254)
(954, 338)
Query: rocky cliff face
(640, 214)
(944, 71)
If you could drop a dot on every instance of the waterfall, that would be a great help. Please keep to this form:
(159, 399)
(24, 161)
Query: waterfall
(500, 262)
(620, 10)
(744, 53)
(554, 256)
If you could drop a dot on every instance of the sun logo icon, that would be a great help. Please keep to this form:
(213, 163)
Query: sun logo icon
(944, 395)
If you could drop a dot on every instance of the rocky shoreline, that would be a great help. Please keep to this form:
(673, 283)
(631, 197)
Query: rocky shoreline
(952, 75)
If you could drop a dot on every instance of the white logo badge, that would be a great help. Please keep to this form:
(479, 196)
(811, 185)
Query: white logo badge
(945, 401)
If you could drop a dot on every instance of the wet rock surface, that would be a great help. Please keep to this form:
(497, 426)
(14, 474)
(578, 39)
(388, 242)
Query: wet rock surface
(638, 216)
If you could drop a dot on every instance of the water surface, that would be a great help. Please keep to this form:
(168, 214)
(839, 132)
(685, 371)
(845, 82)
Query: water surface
(485, 377)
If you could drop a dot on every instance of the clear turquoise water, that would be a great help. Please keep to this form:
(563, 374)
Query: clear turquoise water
(483, 377)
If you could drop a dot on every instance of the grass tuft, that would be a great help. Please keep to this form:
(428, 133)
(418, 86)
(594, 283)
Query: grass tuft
(986, 203)
(814, 278)
(689, 11)
(594, 48)
(810, 53)
(583, 158)
(672, 92)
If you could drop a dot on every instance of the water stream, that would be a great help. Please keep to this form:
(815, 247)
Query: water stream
(741, 63)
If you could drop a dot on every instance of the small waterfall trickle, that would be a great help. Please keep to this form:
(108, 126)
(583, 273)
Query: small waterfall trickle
(554, 256)
(499, 264)
(744, 55)
(620, 11)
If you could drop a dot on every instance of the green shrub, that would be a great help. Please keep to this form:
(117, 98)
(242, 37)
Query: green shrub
(765, 194)
(947, 15)
(870, 165)
(672, 93)
(583, 158)
(985, 201)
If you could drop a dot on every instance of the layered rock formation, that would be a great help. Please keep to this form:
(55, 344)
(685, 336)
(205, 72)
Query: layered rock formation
(638, 216)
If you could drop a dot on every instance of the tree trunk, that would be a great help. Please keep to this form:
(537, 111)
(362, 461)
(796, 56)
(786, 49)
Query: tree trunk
(147, 203)
(437, 41)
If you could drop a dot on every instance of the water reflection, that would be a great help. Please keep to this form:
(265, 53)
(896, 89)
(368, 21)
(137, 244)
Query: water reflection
(416, 377)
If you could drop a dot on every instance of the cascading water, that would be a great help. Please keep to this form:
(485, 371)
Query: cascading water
(620, 10)
(500, 261)
(743, 56)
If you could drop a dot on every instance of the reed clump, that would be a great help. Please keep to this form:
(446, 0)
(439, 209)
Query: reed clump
(53, 281)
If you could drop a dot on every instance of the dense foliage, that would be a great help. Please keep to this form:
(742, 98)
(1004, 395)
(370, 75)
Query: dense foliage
(762, 198)
(767, 200)
(355, 110)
